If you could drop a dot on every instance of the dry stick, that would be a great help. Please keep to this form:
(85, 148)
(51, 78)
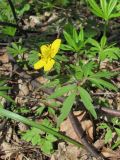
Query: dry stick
(28, 30)
(19, 27)
(111, 112)
(13, 11)
(81, 134)
(8, 24)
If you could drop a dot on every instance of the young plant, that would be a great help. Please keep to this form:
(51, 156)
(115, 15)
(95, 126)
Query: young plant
(103, 49)
(75, 40)
(16, 49)
(110, 129)
(40, 138)
(105, 10)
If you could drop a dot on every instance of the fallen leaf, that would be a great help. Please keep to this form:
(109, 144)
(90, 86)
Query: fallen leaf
(4, 58)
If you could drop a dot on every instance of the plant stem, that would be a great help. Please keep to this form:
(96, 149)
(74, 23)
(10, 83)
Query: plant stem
(105, 28)
(31, 123)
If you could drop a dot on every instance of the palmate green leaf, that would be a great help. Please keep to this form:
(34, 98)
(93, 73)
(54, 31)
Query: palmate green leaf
(94, 43)
(104, 4)
(61, 91)
(87, 101)
(66, 47)
(81, 35)
(9, 31)
(14, 45)
(113, 56)
(87, 68)
(70, 40)
(51, 138)
(103, 41)
(36, 139)
(75, 35)
(32, 135)
(67, 105)
(112, 49)
(111, 6)
(115, 15)
(102, 55)
(96, 13)
(95, 8)
(40, 110)
(46, 147)
(111, 53)
(33, 57)
(103, 74)
(102, 83)
(94, 81)
(107, 85)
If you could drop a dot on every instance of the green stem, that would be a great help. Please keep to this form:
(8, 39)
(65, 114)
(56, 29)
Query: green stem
(31, 123)
(105, 28)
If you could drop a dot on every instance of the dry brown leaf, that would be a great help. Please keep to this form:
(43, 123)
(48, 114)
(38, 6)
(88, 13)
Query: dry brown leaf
(68, 129)
(99, 144)
(9, 134)
(64, 152)
(87, 126)
(23, 88)
(22, 127)
(107, 152)
(4, 58)
(10, 150)
(20, 156)
(42, 80)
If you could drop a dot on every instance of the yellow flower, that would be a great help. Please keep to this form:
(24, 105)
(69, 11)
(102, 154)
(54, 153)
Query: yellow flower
(47, 54)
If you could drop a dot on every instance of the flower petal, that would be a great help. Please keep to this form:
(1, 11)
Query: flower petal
(39, 64)
(48, 66)
(55, 47)
(45, 50)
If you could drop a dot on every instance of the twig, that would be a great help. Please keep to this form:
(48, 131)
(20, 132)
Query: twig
(116, 69)
(102, 93)
(8, 24)
(13, 11)
(81, 134)
(18, 27)
(109, 111)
